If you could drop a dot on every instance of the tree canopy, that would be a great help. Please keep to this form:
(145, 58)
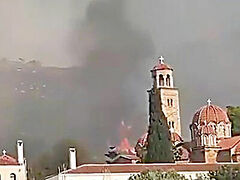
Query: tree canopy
(158, 175)
(225, 172)
(234, 117)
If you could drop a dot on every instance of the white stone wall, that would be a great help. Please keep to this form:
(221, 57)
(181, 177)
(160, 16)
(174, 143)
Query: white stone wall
(114, 176)
(172, 112)
(19, 171)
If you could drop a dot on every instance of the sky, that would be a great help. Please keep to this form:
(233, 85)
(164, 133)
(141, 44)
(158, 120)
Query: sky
(96, 57)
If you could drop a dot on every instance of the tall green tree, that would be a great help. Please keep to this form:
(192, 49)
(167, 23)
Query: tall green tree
(234, 117)
(159, 145)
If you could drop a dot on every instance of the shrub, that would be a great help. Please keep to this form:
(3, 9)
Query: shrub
(158, 175)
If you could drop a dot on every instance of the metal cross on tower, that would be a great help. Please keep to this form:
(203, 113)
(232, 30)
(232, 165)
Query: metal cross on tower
(161, 59)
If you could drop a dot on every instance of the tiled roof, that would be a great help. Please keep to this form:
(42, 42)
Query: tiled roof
(136, 168)
(237, 150)
(162, 67)
(8, 160)
(229, 143)
(210, 113)
(185, 154)
(131, 157)
(175, 137)
(142, 140)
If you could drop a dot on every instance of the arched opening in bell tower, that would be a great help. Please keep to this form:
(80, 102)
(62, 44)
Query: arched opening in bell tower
(168, 82)
(161, 80)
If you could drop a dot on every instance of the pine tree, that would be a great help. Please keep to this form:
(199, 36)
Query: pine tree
(159, 145)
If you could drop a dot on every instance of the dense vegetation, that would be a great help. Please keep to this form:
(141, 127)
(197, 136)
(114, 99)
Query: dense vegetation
(224, 173)
(157, 175)
(234, 116)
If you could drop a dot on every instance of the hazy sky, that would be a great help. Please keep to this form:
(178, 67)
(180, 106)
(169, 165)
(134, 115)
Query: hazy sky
(111, 46)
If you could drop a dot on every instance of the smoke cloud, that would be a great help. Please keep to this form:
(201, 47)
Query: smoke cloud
(87, 102)
(107, 48)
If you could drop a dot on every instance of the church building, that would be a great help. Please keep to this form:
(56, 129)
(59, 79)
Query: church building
(13, 168)
(211, 145)
(211, 139)
(162, 75)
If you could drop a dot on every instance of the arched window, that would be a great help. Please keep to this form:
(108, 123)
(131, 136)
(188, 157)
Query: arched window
(210, 140)
(169, 124)
(168, 80)
(170, 102)
(229, 131)
(215, 140)
(173, 124)
(161, 80)
(222, 130)
(13, 176)
(205, 140)
(202, 140)
(198, 138)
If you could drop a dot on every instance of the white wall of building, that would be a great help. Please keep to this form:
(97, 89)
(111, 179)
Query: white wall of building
(19, 171)
(114, 176)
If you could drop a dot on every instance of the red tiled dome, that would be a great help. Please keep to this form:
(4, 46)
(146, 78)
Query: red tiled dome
(210, 113)
(162, 67)
(207, 130)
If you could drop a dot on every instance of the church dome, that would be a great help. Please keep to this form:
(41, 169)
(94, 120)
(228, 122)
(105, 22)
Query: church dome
(205, 129)
(210, 113)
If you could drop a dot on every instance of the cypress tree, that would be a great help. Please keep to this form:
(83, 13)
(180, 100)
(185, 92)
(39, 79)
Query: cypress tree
(159, 145)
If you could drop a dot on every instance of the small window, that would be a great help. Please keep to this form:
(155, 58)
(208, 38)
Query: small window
(13, 176)
(171, 102)
(173, 124)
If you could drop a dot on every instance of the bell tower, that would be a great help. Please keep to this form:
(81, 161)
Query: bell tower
(162, 75)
